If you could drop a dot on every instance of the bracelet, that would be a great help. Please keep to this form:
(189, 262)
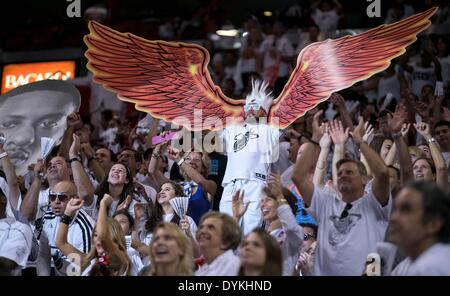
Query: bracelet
(76, 158)
(65, 219)
(313, 142)
(154, 155)
(180, 162)
(430, 140)
(4, 154)
(92, 158)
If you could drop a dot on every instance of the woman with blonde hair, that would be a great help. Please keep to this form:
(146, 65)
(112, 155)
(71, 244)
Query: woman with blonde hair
(170, 252)
(108, 254)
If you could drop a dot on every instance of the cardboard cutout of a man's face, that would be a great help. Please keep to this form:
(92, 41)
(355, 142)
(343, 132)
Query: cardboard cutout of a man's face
(30, 112)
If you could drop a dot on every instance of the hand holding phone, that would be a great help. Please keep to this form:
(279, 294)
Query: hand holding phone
(160, 139)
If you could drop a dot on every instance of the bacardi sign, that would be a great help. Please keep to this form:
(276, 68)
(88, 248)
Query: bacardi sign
(15, 75)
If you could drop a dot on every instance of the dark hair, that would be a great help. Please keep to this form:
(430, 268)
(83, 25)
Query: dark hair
(360, 165)
(442, 123)
(273, 263)
(231, 232)
(126, 214)
(436, 206)
(103, 187)
(156, 211)
(288, 196)
(378, 141)
(111, 153)
(137, 154)
(430, 162)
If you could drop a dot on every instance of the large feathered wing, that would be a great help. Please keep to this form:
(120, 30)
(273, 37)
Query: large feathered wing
(332, 65)
(169, 80)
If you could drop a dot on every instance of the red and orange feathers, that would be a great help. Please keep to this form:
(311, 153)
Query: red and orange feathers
(170, 80)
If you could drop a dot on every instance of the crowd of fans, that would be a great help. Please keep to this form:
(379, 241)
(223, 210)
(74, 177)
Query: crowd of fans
(368, 168)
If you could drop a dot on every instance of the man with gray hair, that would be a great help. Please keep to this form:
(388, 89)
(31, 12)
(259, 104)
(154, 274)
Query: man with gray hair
(349, 228)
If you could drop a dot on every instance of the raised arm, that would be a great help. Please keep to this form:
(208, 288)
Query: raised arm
(339, 101)
(339, 135)
(368, 132)
(423, 129)
(321, 166)
(103, 229)
(80, 178)
(11, 178)
(61, 237)
(89, 152)
(29, 205)
(73, 121)
(300, 175)
(294, 233)
(209, 185)
(153, 170)
(398, 130)
(376, 164)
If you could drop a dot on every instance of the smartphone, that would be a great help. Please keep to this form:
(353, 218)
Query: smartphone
(159, 139)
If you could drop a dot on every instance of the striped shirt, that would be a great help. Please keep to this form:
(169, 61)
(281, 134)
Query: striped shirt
(79, 234)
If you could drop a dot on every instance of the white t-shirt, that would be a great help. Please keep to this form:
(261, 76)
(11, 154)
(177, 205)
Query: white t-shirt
(227, 264)
(434, 261)
(43, 202)
(15, 241)
(250, 149)
(421, 77)
(389, 85)
(5, 189)
(283, 46)
(326, 20)
(343, 244)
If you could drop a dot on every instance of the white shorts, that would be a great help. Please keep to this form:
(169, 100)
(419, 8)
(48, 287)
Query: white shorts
(252, 194)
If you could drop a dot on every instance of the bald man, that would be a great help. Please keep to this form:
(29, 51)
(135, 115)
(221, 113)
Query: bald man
(79, 234)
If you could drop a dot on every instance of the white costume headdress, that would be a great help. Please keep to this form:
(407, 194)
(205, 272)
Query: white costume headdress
(260, 95)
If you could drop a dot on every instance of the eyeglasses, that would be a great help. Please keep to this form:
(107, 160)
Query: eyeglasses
(62, 196)
(308, 236)
(344, 213)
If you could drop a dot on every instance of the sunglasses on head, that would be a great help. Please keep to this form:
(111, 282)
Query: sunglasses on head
(62, 196)
(344, 213)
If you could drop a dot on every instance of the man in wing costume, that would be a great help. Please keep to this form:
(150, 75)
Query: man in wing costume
(170, 81)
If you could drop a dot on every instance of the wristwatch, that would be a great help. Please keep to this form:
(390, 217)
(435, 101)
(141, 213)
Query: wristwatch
(65, 219)
(180, 162)
(76, 158)
(2, 139)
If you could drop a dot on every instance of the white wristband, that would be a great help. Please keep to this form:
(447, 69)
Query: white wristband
(4, 154)
(180, 162)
